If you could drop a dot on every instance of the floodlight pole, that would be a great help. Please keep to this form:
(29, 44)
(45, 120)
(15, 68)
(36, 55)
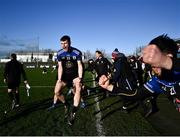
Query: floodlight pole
(38, 52)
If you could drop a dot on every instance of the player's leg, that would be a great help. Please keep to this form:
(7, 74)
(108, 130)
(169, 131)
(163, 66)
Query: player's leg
(57, 93)
(77, 94)
(83, 103)
(17, 97)
(11, 92)
(76, 100)
(154, 108)
(11, 97)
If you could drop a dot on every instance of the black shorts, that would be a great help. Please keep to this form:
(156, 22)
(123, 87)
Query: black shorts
(12, 85)
(68, 78)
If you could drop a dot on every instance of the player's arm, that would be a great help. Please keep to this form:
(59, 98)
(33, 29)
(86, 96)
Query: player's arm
(80, 69)
(5, 73)
(23, 73)
(60, 71)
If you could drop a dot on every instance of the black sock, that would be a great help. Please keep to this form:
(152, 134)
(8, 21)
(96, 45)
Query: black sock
(17, 97)
(74, 109)
(10, 94)
(66, 104)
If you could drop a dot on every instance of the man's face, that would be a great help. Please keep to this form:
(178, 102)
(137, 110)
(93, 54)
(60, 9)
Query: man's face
(65, 45)
(97, 55)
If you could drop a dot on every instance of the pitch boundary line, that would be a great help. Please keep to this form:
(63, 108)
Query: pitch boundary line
(99, 123)
(31, 86)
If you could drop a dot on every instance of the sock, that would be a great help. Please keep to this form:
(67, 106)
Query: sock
(66, 104)
(10, 94)
(17, 97)
(54, 103)
(74, 109)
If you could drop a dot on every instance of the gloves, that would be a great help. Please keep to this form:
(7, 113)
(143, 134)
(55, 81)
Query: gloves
(27, 88)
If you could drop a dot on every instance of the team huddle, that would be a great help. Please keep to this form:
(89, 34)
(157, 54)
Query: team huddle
(123, 76)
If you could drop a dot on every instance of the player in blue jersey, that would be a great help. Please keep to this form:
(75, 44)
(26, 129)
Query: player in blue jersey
(157, 84)
(70, 73)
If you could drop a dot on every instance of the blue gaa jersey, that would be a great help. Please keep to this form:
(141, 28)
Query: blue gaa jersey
(69, 60)
(155, 85)
(175, 78)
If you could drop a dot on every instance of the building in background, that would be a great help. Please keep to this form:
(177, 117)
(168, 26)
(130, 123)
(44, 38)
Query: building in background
(42, 56)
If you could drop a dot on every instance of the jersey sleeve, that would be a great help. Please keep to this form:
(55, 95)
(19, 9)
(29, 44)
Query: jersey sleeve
(59, 53)
(78, 54)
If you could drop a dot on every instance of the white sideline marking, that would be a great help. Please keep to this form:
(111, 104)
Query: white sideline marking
(31, 86)
(99, 123)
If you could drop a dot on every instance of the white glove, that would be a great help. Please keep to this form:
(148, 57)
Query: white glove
(27, 89)
(27, 86)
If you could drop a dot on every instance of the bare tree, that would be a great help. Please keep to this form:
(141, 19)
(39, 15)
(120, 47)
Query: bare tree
(138, 50)
(88, 55)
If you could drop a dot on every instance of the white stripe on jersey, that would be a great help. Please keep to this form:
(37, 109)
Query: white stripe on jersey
(76, 51)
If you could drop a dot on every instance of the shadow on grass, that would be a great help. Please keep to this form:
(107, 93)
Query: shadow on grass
(99, 100)
(135, 105)
(26, 109)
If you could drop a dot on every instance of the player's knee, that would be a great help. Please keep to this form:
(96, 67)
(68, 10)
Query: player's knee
(57, 93)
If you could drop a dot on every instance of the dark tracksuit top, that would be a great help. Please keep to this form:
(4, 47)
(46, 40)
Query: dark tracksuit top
(12, 73)
(123, 75)
(102, 66)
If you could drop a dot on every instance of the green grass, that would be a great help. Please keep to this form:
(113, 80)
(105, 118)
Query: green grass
(32, 118)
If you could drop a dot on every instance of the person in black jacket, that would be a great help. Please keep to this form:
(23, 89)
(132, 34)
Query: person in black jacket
(102, 66)
(12, 76)
(137, 70)
(122, 75)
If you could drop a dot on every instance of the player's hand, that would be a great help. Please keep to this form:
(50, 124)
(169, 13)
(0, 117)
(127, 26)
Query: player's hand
(27, 86)
(25, 82)
(5, 80)
(80, 80)
(102, 79)
(104, 82)
(152, 55)
(77, 80)
(59, 80)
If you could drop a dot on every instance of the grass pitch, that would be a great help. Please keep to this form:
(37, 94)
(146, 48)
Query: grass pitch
(102, 116)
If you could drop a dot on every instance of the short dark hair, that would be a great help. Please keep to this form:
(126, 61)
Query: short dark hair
(66, 37)
(13, 56)
(99, 52)
(165, 44)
